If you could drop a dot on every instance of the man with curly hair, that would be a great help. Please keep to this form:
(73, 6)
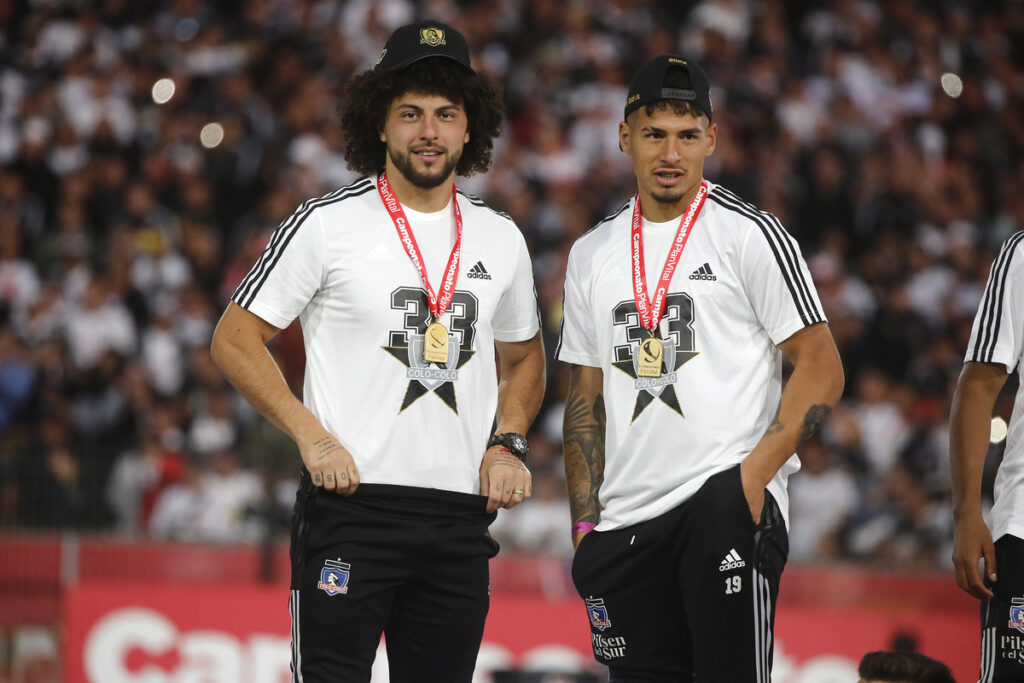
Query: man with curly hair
(404, 287)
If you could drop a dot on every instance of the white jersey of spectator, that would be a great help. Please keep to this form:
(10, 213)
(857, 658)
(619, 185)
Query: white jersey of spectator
(338, 265)
(19, 283)
(98, 327)
(741, 288)
(998, 337)
(163, 357)
(820, 503)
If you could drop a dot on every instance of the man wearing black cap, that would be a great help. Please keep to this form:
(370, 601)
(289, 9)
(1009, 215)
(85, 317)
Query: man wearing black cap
(404, 287)
(679, 436)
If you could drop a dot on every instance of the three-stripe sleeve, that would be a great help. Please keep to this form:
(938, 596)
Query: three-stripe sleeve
(293, 261)
(776, 276)
(998, 332)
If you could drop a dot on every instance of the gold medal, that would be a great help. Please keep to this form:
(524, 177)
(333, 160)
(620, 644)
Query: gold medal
(435, 344)
(435, 341)
(651, 354)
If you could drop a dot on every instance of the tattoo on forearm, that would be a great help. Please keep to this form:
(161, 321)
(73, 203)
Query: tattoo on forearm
(584, 433)
(776, 426)
(326, 445)
(813, 421)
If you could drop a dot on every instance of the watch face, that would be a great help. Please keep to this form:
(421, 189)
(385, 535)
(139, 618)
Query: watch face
(519, 443)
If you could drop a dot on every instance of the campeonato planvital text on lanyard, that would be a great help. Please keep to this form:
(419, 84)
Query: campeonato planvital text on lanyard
(652, 350)
(435, 341)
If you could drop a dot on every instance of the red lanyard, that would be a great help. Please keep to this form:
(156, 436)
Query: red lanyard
(651, 310)
(438, 305)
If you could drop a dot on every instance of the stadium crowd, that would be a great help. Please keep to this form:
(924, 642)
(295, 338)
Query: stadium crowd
(148, 150)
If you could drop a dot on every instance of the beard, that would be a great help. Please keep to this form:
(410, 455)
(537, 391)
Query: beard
(670, 196)
(674, 194)
(425, 179)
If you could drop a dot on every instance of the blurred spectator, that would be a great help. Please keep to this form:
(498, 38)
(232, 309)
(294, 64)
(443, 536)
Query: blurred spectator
(908, 525)
(136, 476)
(213, 503)
(100, 324)
(879, 420)
(50, 480)
(17, 379)
(822, 498)
(213, 426)
(19, 280)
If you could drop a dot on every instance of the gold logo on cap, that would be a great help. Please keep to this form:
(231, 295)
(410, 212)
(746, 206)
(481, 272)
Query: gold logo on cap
(432, 37)
(676, 61)
(382, 53)
(633, 99)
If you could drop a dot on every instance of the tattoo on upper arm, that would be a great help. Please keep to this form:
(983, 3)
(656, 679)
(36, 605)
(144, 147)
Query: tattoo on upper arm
(813, 421)
(584, 432)
(776, 426)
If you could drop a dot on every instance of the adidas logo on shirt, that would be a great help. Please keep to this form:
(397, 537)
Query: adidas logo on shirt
(731, 561)
(703, 273)
(478, 272)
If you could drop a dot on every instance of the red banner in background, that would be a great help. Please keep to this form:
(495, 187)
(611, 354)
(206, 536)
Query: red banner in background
(159, 632)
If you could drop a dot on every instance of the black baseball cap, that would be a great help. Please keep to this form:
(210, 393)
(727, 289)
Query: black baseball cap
(413, 42)
(648, 87)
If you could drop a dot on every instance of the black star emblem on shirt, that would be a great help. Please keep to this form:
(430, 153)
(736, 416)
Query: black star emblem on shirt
(645, 397)
(417, 388)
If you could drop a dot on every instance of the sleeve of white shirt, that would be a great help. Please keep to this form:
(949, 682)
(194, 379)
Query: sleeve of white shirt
(290, 271)
(998, 332)
(516, 318)
(777, 281)
(577, 342)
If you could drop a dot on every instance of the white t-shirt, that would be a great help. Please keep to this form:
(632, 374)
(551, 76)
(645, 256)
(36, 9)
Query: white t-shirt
(740, 289)
(998, 337)
(337, 264)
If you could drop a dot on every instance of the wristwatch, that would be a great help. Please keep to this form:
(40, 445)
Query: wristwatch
(516, 443)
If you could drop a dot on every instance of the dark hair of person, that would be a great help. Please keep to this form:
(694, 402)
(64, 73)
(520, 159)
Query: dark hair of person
(370, 93)
(905, 667)
(675, 78)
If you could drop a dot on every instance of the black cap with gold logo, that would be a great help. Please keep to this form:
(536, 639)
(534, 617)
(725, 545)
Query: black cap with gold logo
(648, 85)
(413, 42)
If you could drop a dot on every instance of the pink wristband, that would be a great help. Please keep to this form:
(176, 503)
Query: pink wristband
(580, 527)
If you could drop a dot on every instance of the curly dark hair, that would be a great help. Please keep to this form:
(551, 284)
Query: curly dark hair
(370, 93)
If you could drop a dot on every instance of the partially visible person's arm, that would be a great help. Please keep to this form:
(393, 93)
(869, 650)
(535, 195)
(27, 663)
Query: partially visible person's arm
(520, 393)
(810, 394)
(584, 438)
(996, 346)
(970, 427)
(239, 349)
